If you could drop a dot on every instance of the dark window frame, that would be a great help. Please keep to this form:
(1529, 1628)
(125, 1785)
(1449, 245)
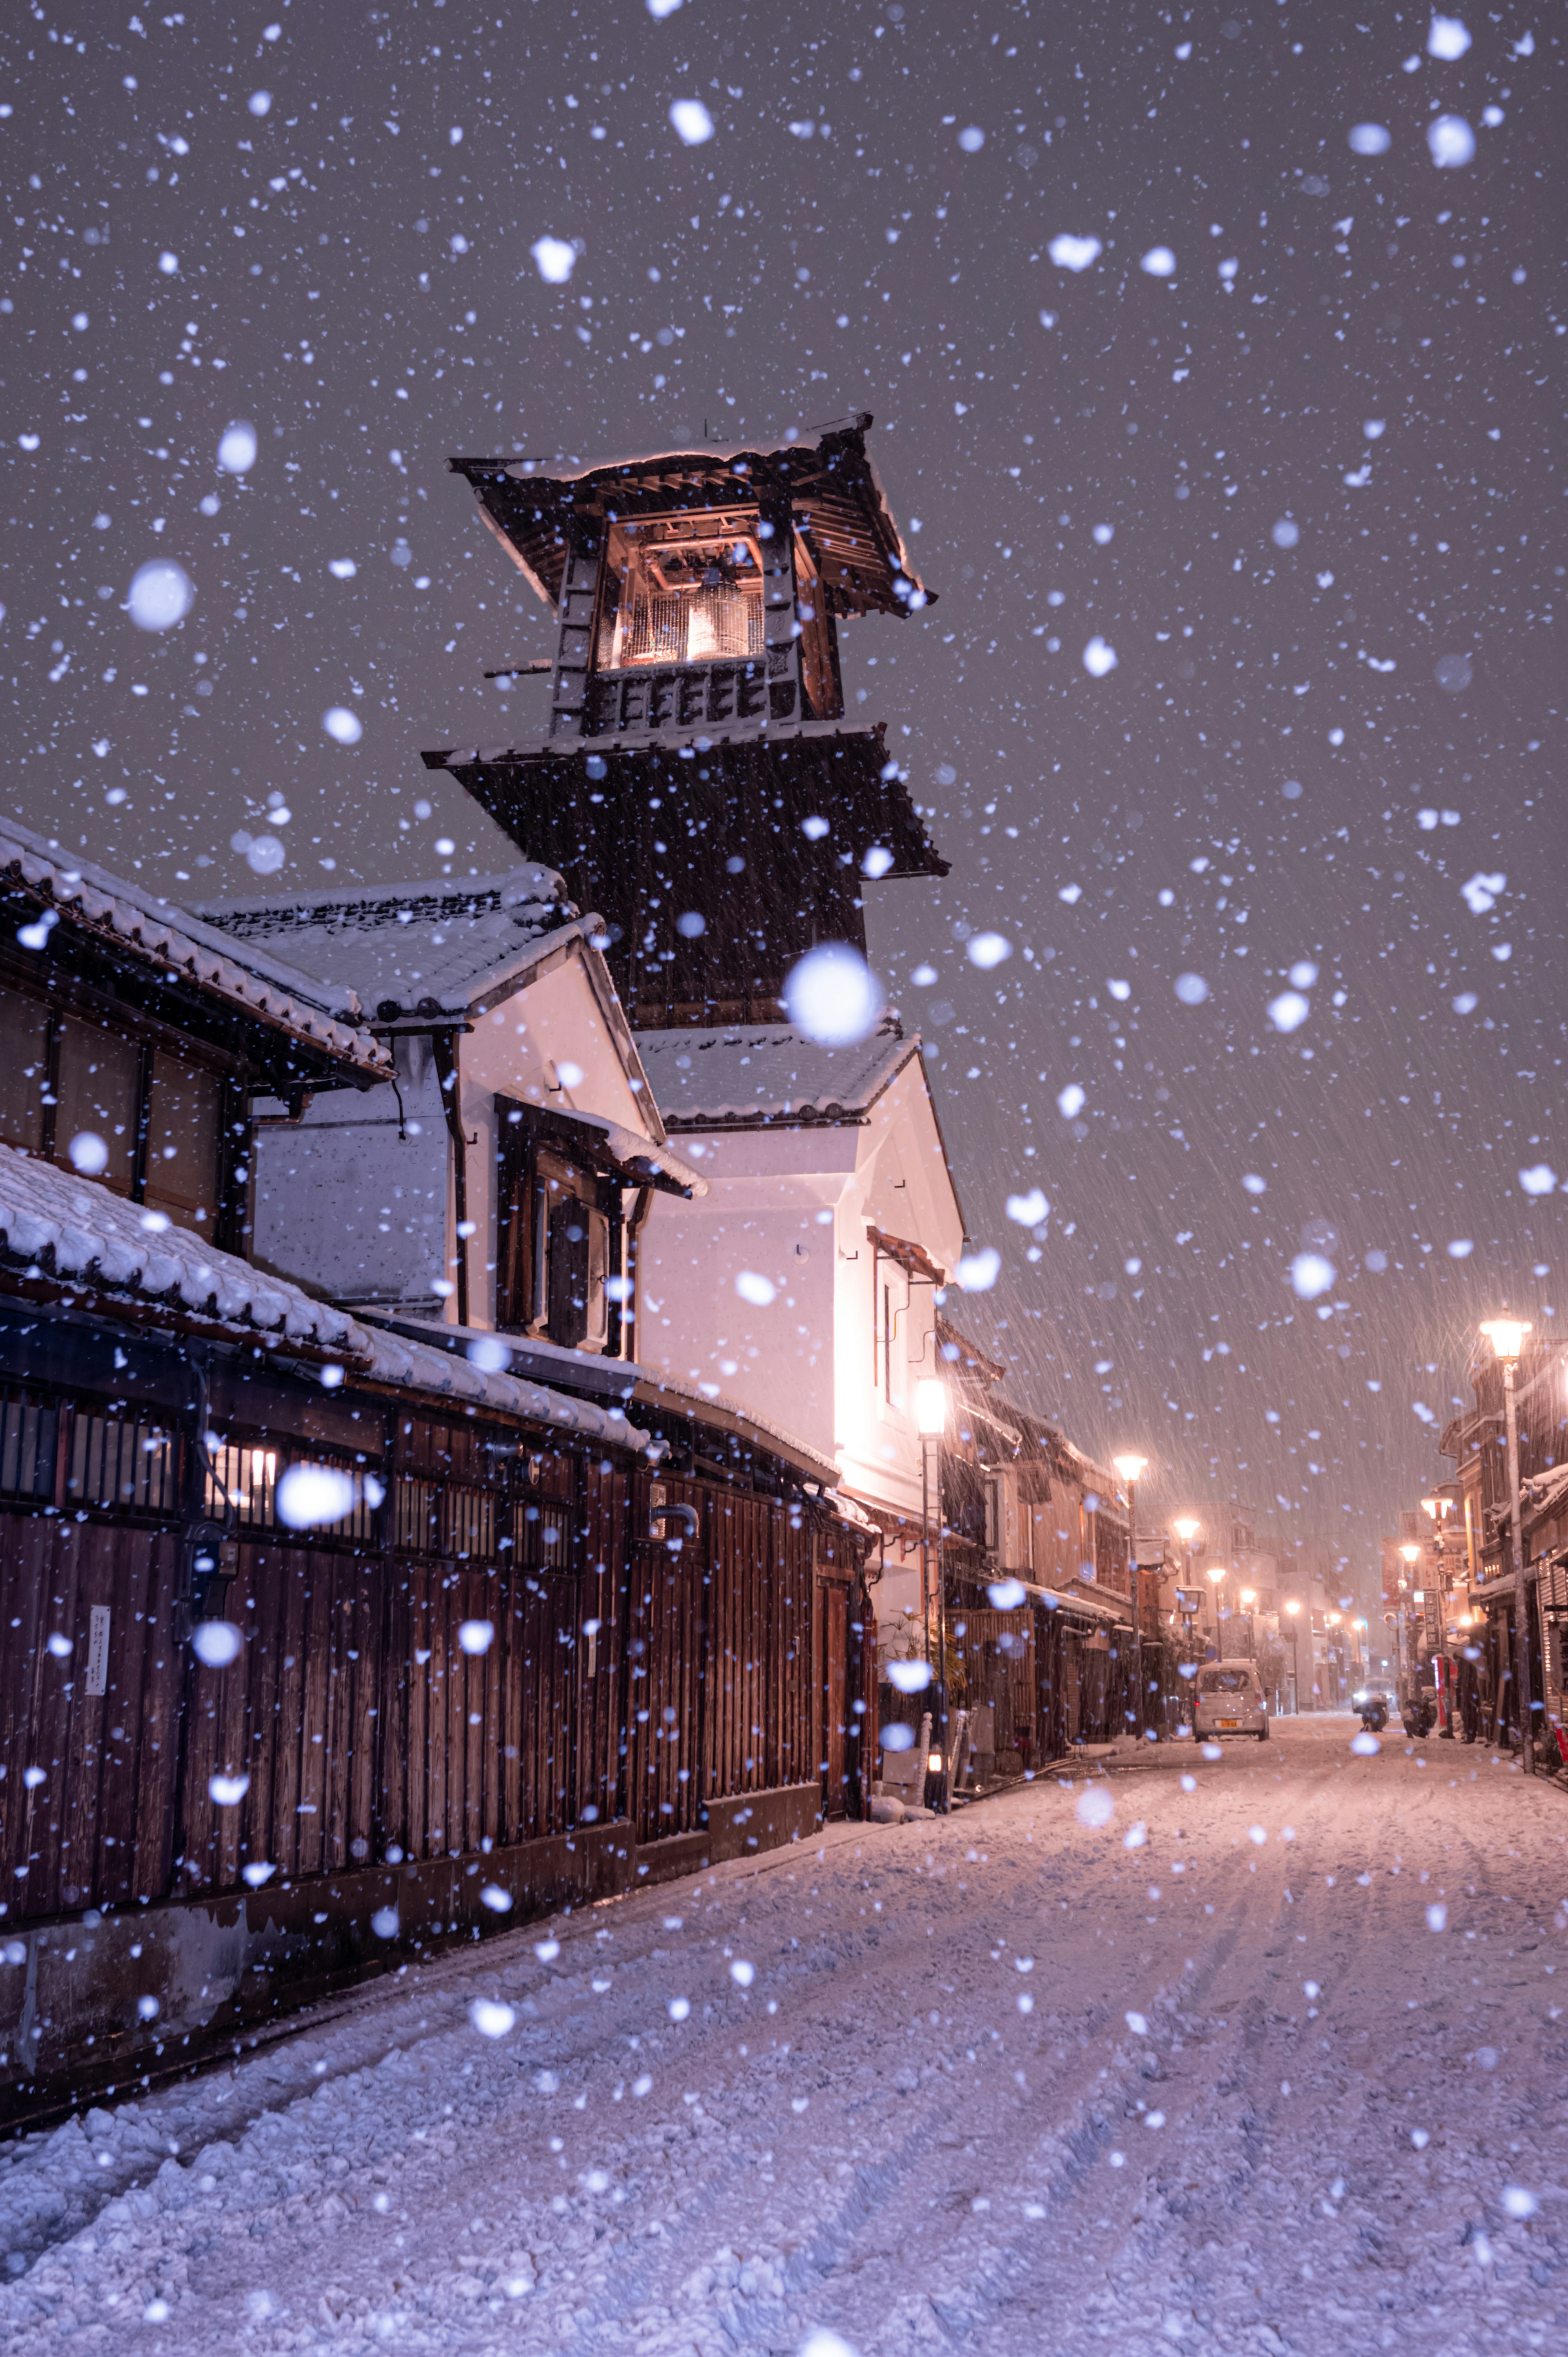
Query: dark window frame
(529, 1282)
(66, 998)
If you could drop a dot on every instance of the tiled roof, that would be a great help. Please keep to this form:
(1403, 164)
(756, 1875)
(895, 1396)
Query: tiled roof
(178, 941)
(67, 1228)
(765, 1072)
(406, 944)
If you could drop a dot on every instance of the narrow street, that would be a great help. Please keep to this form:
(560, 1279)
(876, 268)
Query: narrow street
(994, 2084)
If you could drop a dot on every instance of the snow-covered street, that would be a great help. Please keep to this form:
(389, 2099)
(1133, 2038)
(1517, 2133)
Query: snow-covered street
(1220, 2074)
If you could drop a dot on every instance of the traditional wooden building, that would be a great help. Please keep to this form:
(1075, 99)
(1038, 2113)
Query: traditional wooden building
(698, 781)
(1468, 1640)
(700, 786)
(322, 1640)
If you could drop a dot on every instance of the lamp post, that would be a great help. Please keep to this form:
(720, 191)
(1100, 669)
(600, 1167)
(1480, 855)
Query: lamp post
(1247, 1597)
(1410, 1553)
(1292, 1610)
(1129, 1467)
(1217, 1575)
(1506, 1336)
(1187, 1528)
(930, 1417)
(1438, 1510)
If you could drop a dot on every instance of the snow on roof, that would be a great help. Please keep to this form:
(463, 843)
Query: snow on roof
(392, 1359)
(1540, 1495)
(832, 482)
(174, 939)
(692, 740)
(402, 945)
(630, 1147)
(1073, 1599)
(764, 1072)
(90, 1232)
(702, 1403)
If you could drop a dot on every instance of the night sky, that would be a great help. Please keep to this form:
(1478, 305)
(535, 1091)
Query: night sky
(1305, 484)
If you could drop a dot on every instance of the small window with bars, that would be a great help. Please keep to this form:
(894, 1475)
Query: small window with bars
(29, 1437)
(117, 1461)
(444, 1518)
(248, 1476)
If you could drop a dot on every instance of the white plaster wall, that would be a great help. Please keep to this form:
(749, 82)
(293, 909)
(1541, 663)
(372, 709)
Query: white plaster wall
(341, 1201)
(770, 1212)
(903, 1186)
(345, 1203)
(793, 1205)
(520, 1047)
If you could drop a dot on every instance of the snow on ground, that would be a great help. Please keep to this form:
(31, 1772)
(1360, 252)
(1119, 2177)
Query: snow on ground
(993, 2083)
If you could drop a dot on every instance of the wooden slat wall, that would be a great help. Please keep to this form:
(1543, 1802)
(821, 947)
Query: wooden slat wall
(297, 1712)
(99, 1829)
(363, 1726)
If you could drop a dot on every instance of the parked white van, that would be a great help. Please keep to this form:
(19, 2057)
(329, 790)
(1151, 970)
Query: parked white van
(1230, 1700)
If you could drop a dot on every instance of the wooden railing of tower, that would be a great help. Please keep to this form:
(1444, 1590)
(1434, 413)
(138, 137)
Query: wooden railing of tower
(781, 623)
(578, 614)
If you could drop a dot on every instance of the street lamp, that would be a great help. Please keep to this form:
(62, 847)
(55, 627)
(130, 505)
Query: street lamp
(1129, 1467)
(1217, 1575)
(1246, 1597)
(1293, 1609)
(1437, 1511)
(1187, 1528)
(1506, 1336)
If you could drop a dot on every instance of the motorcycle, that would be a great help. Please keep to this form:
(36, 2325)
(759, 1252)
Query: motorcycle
(1374, 1711)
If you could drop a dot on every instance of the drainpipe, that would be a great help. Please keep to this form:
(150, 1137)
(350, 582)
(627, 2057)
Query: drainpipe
(444, 1048)
(631, 1232)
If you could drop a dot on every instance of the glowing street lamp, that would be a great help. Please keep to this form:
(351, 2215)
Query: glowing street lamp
(931, 1408)
(1506, 1336)
(1129, 1467)
(1187, 1528)
(1293, 1609)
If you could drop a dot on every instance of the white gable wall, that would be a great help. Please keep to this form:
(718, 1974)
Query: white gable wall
(771, 1212)
(344, 1202)
(906, 1189)
(519, 1047)
(792, 1204)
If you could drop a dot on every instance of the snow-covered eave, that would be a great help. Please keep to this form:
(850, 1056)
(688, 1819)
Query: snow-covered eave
(725, 1414)
(178, 953)
(643, 1385)
(138, 920)
(559, 924)
(877, 513)
(99, 902)
(478, 996)
(630, 1147)
(653, 740)
(117, 1259)
(819, 1113)
(1072, 1599)
(1542, 1496)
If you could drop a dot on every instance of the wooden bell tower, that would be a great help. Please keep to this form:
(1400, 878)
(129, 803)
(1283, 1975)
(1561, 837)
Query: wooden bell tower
(699, 786)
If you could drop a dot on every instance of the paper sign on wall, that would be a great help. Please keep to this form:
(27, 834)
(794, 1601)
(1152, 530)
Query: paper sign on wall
(98, 1650)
